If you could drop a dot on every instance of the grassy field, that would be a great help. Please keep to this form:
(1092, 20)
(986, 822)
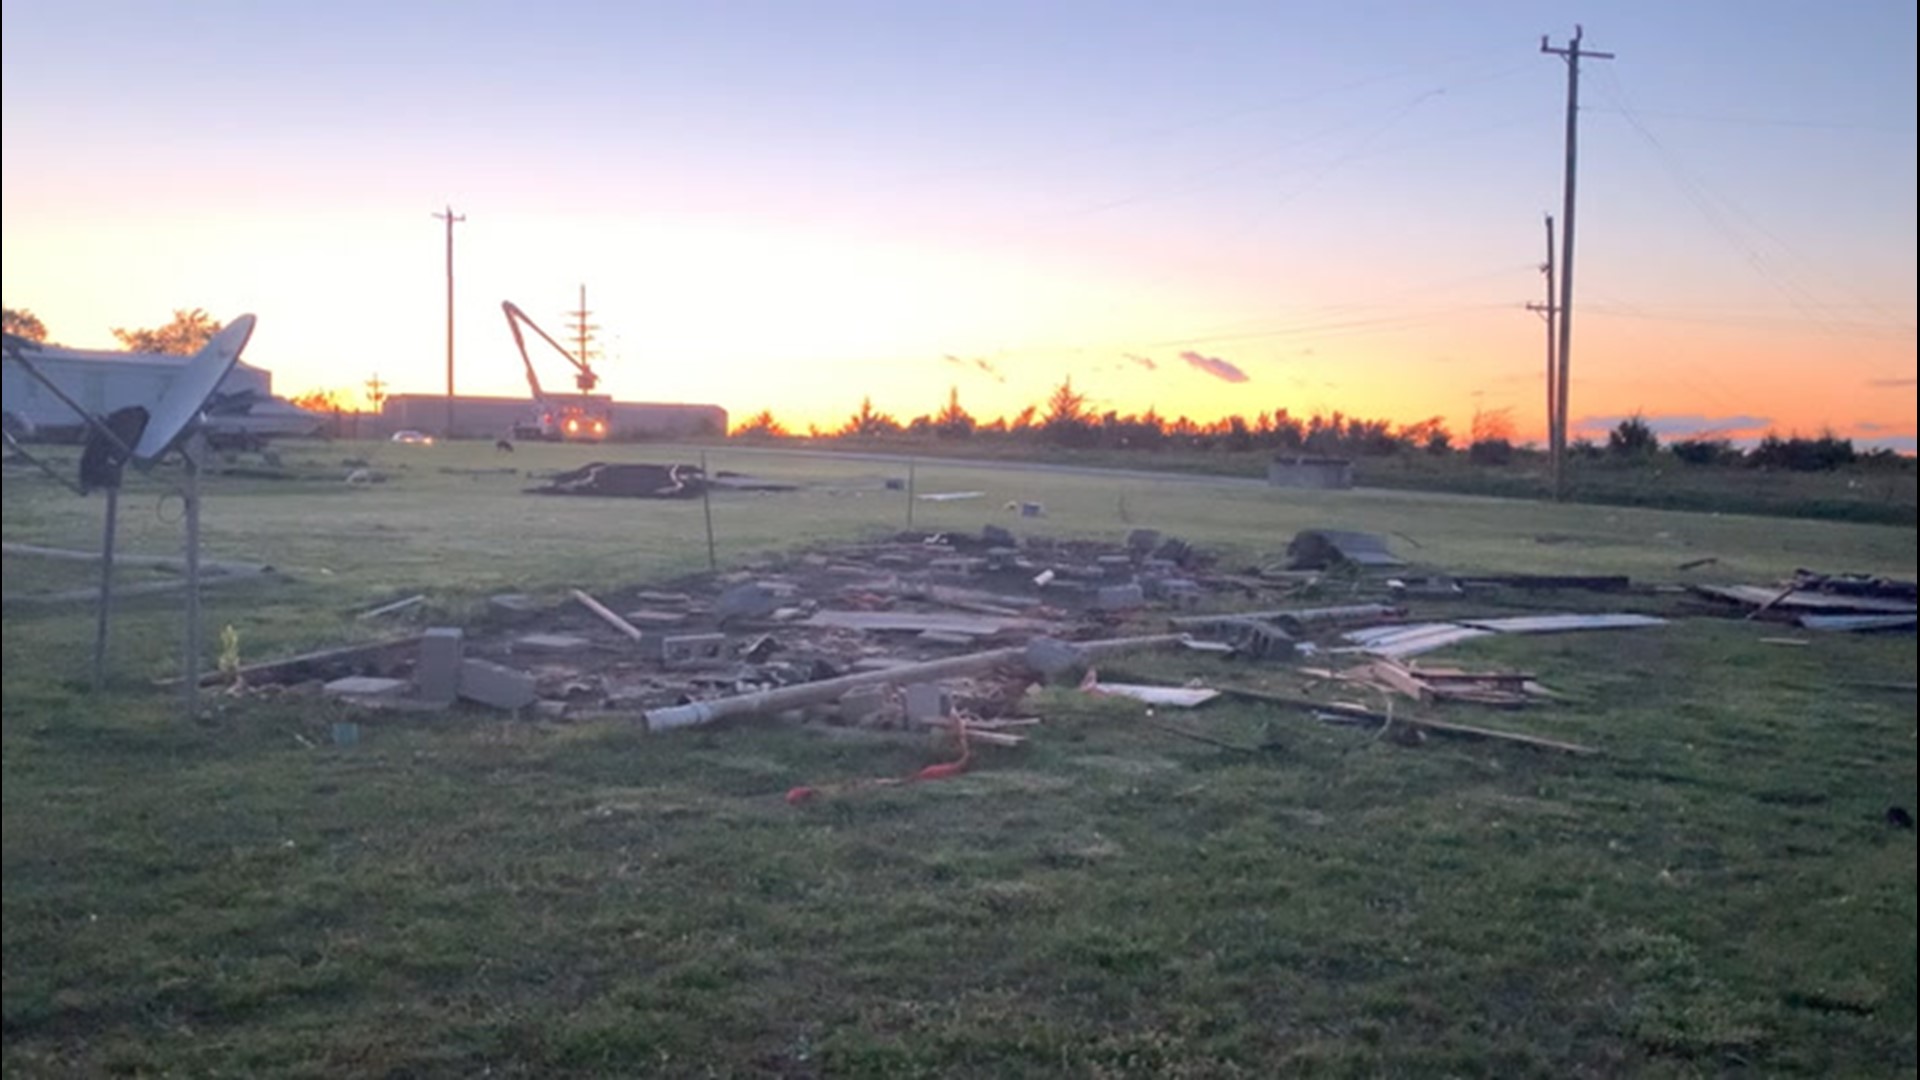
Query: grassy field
(461, 894)
(1881, 493)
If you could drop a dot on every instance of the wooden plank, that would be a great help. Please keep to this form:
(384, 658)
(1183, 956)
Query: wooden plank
(607, 616)
(1355, 712)
(1471, 731)
(1400, 680)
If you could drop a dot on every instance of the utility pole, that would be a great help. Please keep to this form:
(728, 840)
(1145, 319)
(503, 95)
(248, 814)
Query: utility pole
(451, 219)
(1573, 55)
(583, 342)
(1548, 310)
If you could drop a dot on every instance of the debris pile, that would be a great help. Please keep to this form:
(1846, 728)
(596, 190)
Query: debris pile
(947, 633)
(627, 481)
(1843, 602)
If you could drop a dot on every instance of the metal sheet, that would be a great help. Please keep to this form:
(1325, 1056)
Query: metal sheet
(1179, 697)
(1857, 623)
(1555, 624)
(1403, 640)
(1805, 600)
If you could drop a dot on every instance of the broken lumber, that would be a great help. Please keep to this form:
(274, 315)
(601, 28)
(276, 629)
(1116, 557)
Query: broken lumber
(396, 606)
(768, 702)
(607, 615)
(1474, 732)
(1438, 726)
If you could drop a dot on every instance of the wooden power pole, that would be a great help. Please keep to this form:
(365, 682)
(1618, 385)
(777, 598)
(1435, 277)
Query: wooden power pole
(1547, 310)
(1573, 54)
(451, 219)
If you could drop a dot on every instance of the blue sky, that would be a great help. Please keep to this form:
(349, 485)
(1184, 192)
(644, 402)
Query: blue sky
(790, 206)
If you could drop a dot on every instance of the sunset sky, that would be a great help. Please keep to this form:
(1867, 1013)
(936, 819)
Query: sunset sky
(1201, 207)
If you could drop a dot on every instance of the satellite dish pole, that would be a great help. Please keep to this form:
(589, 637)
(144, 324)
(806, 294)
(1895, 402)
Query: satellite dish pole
(145, 436)
(109, 447)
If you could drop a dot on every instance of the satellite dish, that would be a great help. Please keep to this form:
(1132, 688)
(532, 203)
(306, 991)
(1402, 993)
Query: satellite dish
(175, 412)
(105, 455)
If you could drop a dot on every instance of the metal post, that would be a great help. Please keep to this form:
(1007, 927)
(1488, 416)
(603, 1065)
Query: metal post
(190, 453)
(909, 493)
(106, 590)
(706, 505)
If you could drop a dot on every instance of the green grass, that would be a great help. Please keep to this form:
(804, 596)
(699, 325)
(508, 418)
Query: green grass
(1884, 493)
(463, 894)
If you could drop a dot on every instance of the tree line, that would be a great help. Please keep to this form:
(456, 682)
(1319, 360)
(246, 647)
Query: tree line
(1066, 420)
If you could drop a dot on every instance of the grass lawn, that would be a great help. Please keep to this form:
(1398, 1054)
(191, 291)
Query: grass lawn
(464, 894)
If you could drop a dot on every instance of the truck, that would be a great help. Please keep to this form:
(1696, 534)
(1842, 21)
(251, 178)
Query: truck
(581, 417)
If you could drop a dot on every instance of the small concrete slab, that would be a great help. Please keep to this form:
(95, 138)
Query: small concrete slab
(655, 617)
(497, 685)
(365, 686)
(1120, 597)
(551, 643)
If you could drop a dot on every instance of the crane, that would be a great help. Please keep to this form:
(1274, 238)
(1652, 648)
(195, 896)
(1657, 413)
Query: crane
(585, 417)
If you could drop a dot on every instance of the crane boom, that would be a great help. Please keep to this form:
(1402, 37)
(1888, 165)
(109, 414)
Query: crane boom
(565, 420)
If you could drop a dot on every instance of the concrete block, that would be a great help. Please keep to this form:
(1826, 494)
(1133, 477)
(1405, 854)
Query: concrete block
(1143, 541)
(1054, 658)
(365, 686)
(750, 600)
(693, 650)
(927, 701)
(1115, 565)
(1120, 597)
(551, 643)
(438, 671)
(497, 685)
(997, 536)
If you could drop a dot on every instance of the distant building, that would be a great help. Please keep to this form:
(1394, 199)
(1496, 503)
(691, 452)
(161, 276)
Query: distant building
(1319, 473)
(494, 417)
(100, 381)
